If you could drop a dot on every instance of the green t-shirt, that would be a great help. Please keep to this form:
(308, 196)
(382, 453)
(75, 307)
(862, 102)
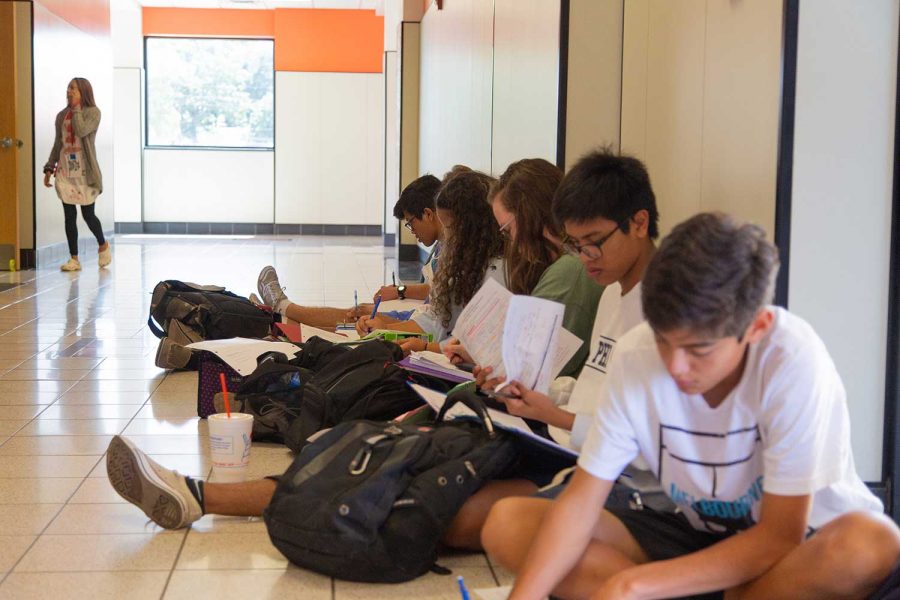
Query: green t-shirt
(566, 282)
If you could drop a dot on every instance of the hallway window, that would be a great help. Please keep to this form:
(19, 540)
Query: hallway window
(204, 92)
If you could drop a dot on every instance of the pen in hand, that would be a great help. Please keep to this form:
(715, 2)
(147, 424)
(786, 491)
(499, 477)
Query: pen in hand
(375, 308)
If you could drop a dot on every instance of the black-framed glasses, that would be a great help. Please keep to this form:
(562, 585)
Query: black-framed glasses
(408, 225)
(589, 249)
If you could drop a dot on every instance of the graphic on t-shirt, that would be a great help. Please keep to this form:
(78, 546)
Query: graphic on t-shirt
(602, 353)
(716, 478)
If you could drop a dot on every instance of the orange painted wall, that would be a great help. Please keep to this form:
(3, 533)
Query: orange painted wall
(307, 40)
(220, 22)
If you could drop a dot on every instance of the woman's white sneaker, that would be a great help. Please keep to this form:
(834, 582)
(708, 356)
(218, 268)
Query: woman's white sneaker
(104, 257)
(71, 265)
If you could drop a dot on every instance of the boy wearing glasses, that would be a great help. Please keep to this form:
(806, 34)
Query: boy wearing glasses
(739, 410)
(608, 210)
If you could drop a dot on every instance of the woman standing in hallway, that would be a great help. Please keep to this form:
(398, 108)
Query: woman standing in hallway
(73, 161)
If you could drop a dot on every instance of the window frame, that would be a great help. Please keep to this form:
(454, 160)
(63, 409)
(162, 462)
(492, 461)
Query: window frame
(146, 81)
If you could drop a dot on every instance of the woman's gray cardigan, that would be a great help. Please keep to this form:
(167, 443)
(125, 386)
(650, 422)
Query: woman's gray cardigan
(84, 125)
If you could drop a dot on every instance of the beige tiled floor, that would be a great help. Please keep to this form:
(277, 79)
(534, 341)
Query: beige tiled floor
(76, 367)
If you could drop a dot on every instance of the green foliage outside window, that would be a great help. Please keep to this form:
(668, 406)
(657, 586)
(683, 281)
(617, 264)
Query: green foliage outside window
(210, 92)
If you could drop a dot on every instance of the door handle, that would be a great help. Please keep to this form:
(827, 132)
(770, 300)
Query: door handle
(8, 142)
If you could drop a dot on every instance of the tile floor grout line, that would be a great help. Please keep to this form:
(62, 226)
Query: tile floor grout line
(175, 563)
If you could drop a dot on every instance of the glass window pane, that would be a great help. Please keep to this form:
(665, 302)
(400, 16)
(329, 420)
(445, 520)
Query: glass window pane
(210, 92)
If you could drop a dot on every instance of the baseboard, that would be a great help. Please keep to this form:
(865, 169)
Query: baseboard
(176, 228)
(27, 258)
(58, 253)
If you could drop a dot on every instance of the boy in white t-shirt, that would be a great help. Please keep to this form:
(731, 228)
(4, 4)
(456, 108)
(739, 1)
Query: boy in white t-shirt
(739, 410)
(608, 210)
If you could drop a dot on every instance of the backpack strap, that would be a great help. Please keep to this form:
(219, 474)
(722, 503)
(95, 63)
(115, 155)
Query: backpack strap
(155, 328)
(473, 402)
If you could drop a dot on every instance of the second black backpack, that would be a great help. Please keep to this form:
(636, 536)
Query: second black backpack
(362, 383)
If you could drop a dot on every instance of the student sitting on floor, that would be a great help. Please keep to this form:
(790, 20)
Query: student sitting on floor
(739, 410)
(416, 207)
(536, 263)
(472, 252)
(608, 209)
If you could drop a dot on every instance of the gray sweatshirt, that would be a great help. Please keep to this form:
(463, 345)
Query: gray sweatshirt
(84, 125)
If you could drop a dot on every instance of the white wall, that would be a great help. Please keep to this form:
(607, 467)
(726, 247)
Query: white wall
(526, 81)
(210, 186)
(841, 206)
(391, 139)
(700, 101)
(329, 161)
(455, 87)
(128, 62)
(594, 87)
(62, 51)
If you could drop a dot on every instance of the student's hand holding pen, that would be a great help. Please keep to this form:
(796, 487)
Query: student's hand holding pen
(367, 323)
(529, 404)
(456, 353)
(483, 378)
(361, 311)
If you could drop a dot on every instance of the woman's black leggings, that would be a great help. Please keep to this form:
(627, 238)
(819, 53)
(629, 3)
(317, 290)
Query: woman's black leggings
(87, 212)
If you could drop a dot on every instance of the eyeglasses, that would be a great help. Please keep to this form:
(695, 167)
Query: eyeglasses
(408, 225)
(591, 250)
(503, 230)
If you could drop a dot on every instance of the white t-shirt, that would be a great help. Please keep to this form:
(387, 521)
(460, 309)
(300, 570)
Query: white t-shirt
(783, 429)
(616, 314)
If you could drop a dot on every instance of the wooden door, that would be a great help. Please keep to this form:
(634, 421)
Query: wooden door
(9, 139)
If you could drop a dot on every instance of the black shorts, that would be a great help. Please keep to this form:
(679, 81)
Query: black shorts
(665, 535)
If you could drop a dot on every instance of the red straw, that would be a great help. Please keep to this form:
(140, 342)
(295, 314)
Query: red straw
(225, 394)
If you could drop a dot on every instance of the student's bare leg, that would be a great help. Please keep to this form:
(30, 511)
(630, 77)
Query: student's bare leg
(513, 524)
(247, 499)
(317, 316)
(465, 529)
(848, 558)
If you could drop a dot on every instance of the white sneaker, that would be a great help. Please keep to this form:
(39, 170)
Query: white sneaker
(71, 265)
(270, 289)
(161, 493)
(104, 257)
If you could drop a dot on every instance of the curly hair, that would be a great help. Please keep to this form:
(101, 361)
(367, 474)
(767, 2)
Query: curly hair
(711, 275)
(526, 190)
(470, 244)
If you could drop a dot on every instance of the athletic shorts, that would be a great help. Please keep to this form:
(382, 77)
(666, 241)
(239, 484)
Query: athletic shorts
(665, 535)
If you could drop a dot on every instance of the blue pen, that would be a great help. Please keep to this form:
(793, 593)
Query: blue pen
(462, 587)
(355, 303)
(377, 302)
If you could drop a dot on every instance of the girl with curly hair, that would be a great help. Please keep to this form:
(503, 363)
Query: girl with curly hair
(536, 264)
(473, 251)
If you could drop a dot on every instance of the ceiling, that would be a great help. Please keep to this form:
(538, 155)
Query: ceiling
(266, 4)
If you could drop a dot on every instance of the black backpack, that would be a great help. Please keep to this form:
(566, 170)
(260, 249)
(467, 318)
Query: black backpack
(369, 501)
(206, 312)
(362, 383)
(323, 385)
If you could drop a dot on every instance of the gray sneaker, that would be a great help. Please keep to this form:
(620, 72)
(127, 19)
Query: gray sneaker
(161, 493)
(269, 287)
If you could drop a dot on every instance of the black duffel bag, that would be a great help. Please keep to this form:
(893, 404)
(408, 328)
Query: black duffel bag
(369, 501)
(209, 312)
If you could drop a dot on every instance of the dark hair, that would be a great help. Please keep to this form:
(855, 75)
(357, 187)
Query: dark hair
(471, 243)
(417, 196)
(526, 189)
(604, 185)
(86, 91)
(710, 275)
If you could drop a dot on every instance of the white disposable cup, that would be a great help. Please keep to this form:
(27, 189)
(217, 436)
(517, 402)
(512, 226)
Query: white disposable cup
(229, 446)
